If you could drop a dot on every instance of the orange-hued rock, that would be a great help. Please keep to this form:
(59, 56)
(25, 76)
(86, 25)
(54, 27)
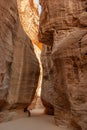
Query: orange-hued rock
(29, 16)
(19, 67)
(63, 27)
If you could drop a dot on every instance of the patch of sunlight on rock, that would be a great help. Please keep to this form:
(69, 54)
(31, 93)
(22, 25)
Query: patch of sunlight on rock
(38, 54)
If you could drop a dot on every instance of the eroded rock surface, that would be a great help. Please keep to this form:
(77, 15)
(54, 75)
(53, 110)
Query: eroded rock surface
(29, 17)
(47, 88)
(63, 27)
(19, 67)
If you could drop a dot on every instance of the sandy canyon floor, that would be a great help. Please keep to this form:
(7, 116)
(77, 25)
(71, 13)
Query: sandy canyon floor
(37, 121)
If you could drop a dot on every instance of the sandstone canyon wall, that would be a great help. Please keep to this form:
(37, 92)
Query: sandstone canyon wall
(63, 28)
(48, 82)
(29, 17)
(19, 67)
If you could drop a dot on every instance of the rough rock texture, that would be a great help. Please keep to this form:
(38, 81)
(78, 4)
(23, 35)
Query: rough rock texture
(63, 26)
(19, 67)
(29, 17)
(47, 88)
(60, 15)
(70, 60)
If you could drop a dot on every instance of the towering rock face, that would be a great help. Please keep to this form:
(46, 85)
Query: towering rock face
(63, 27)
(29, 17)
(19, 67)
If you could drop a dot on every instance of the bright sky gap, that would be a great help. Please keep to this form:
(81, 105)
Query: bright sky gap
(39, 7)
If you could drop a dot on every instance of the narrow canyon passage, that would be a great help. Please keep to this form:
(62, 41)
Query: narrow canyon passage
(29, 12)
(43, 64)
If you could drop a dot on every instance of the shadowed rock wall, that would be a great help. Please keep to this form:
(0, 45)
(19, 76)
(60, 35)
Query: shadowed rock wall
(63, 27)
(47, 88)
(19, 67)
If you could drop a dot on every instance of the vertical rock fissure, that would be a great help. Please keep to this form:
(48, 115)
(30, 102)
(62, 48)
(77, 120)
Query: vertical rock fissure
(30, 24)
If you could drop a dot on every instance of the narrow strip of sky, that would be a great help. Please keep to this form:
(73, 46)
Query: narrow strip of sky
(39, 7)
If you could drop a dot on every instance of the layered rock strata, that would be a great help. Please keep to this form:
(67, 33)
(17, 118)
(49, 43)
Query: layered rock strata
(63, 27)
(19, 67)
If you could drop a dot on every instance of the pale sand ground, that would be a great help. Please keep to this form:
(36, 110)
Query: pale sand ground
(38, 121)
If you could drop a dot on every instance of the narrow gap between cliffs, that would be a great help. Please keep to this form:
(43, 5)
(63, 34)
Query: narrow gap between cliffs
(25, 11)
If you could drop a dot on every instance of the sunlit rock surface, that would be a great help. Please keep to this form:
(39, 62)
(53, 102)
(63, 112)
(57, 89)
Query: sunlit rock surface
(63, 27)
(37, 96)
(29, 15)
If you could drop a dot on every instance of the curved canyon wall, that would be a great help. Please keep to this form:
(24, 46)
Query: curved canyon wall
(29, 17)
(63, 28)
(19, 67)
